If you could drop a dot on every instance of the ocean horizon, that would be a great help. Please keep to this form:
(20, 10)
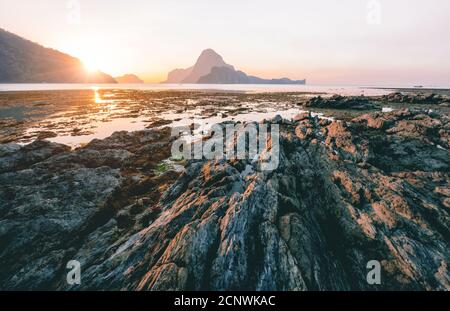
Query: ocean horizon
(349, 90)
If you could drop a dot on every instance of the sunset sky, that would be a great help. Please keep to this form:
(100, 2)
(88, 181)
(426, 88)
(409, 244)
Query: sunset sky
(324, 41)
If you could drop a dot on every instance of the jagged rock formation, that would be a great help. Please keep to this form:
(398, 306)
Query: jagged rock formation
(421, 98)
(23, 61)
(210, 68)
(375, 188)
(342, 102)
(128, 78)
(207, 60)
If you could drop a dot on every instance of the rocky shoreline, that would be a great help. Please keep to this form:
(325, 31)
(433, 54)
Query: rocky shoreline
(374, 187)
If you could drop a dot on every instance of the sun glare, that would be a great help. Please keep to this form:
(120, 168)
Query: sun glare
(90, 65)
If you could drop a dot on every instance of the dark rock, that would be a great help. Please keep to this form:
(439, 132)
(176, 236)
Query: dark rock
(53, 200)
(419, 98)
(345, 193)
(342, 102)
(27, 155)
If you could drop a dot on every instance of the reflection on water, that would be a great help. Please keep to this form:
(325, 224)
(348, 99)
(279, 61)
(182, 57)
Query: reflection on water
(108, 113)
(101, 130)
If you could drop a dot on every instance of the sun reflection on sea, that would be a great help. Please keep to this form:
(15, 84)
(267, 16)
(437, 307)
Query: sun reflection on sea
(97, 97)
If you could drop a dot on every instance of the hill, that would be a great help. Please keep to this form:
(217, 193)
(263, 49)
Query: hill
(23, 61)
(226, 75)
(128, 78)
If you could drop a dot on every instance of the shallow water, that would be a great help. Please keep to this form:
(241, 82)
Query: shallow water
(100, 130)
(75, 117)
(105, 128)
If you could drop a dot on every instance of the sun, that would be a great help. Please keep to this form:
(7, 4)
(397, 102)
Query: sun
(91, 65)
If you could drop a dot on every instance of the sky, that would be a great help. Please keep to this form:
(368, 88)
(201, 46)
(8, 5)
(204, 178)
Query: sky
(345, 42)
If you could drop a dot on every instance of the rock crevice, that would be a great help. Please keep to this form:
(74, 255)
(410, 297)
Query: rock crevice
(345, 193)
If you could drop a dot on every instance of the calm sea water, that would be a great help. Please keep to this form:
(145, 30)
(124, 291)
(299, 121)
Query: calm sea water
(343, 90)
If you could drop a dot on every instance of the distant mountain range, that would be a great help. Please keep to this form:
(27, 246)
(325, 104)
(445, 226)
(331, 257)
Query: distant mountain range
(23, 61)
(210, 68)
(128, 78)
